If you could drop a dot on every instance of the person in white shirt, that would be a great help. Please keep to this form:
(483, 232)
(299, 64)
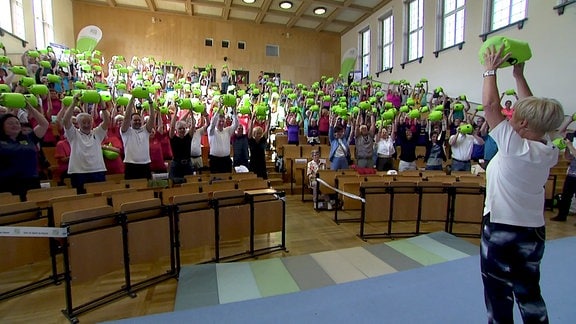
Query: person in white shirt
(86, 163)
(385, 149)
(513, 227)
(461, 147)
(197, 131)
(219, 140)
(136, 140)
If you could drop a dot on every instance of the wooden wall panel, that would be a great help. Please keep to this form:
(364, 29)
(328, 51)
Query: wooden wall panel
(304, 56)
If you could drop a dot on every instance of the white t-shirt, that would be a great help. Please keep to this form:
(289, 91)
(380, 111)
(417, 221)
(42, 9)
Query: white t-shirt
(85, 150)
(220, 140)
(516, 176)
(136, 145)
(385, 147)
(462, 149)
(196, 143)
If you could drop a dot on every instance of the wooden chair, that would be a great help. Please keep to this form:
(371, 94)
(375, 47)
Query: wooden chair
(196, 222)
(233, 218)
(467, 206)
(168, 193)
(42, 195)
(251, 184)
(8, 198)
(434, 201)
(245, 175)
(117, 178)
(306, 150)
(21, 251)
(147, 224)
(219, 186)
(135, 183)
(99, 187)
(58, 206)
(281, 141)
(130, 196)
(351, 184)
(193, 187)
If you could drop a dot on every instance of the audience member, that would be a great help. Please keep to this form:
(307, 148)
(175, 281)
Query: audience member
(19, 153)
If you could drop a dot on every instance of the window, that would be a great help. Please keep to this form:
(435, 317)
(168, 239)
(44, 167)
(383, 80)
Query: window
(506, 12)
(387, 41)
(415, 27)
(13, 17)
(43, 23)
(272, 50)
(453, 15)
(208, 42)
(365, 52)
(225, 44)
(241, 45)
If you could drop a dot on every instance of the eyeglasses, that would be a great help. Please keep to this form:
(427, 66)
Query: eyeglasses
(181, 128)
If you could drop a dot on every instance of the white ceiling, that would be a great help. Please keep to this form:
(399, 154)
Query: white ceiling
(340, 16)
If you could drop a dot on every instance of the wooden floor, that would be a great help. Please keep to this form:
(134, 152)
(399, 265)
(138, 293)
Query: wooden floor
(308, 231)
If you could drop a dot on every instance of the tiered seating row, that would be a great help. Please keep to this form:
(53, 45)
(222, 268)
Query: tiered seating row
(106, 231)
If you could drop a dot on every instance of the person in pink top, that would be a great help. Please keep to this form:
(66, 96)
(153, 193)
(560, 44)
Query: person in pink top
(324, 123)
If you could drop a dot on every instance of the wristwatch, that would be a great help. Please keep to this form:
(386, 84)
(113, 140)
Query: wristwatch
(489, 73)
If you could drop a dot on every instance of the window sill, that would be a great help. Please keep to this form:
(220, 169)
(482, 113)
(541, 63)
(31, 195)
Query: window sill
(560, 7)
(385, 70)
(414, 60)
(459, 45)
(4, 32)
(519, 23)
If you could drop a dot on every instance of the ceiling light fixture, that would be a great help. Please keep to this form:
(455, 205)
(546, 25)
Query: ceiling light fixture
(286, 4)
(319, 10)
(249, 1)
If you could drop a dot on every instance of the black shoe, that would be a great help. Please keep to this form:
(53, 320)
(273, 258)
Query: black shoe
(558, 219)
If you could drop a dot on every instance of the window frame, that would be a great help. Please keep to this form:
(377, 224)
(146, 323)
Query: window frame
(386, 47)
(364, 54)
(489, 17)
(16, 18)
(419, 31)
(443, 16)
(46, 23)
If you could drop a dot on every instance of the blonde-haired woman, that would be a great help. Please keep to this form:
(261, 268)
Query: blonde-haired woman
(513, 231)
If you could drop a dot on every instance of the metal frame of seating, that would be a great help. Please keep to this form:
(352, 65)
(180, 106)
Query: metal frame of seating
(17, 214)
(261, 221)
(455, 192)
(460, 190)
(103, 220)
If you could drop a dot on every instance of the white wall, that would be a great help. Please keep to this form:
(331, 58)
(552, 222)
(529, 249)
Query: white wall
(63, 29)
(551, 72)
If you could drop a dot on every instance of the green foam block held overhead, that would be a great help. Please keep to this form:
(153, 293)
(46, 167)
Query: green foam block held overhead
(38, 89)
(436, 116)
(5, 88)
(122, 101)
(466, 129)
(519, 50)
(90, 96)
(32, 100)
(67, 101)
(13, 100)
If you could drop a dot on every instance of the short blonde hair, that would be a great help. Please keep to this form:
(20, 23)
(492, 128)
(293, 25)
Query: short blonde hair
(256, 130)
(542, 115)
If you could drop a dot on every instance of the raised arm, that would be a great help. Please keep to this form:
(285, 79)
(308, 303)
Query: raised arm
(67, 119)
(43, 124)
(172, 130)
(128, 116)
(521, 83)
(490, 99)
